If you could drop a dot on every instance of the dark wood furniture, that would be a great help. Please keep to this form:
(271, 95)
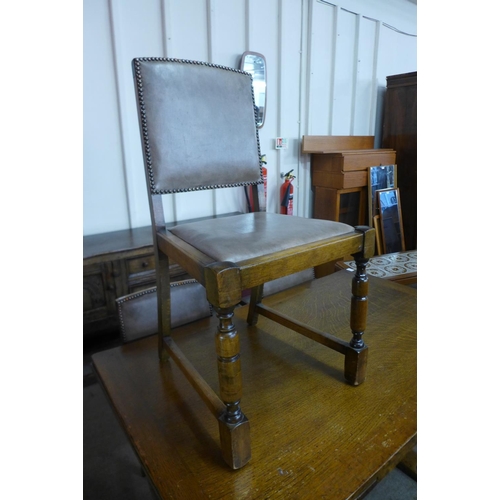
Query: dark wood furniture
(313, 436)
(198, 130)
(400, 133)
(115, 264)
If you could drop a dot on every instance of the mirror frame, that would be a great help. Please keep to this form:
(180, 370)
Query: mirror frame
(373, 188)
(393, 239)
(242, 67)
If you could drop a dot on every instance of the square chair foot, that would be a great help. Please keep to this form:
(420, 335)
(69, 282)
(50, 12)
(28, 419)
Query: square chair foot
(235, 442)
(355, 365)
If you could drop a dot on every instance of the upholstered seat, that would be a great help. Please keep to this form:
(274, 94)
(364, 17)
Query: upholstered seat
(198, 130)
(251, 235)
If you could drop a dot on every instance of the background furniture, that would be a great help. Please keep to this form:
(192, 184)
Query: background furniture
(331, 440)
(116, 264)
(400, 133)
(138, 312)
(339, 168)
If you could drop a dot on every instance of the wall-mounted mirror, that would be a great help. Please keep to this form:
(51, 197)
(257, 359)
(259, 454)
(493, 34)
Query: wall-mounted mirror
(255, 64)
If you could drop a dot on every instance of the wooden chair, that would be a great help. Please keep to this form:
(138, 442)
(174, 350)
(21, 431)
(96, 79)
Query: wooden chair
(198, 130)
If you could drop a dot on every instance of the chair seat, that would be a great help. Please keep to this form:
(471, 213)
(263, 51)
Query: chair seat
(251, 235)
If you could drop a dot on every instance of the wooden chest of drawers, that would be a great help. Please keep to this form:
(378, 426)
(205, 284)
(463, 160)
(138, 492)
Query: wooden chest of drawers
(347, 169)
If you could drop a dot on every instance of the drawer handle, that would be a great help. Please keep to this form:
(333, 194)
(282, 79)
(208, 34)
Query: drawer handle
(145, 263)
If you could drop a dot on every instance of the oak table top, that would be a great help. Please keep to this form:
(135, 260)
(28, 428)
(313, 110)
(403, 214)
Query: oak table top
(313, 435)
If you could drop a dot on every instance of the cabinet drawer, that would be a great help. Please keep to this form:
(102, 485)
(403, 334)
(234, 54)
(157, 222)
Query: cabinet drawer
(351, 161)
(141, 264)
(340, 180)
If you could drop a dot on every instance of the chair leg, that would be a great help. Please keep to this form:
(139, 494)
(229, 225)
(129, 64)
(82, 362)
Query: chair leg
(234, 427)
(163, 294)
(255, 298)
(356, 358)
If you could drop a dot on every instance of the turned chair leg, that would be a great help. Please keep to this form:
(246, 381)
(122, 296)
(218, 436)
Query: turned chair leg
(234, 427)
(356, 358)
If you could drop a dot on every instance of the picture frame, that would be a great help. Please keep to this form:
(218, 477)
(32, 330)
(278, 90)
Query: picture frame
(379, 177)
(391, 221)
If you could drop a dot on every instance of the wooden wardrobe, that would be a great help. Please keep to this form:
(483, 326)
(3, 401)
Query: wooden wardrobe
(400, 133)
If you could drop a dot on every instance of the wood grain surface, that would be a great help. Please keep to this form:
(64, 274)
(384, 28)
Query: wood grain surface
(312, 434)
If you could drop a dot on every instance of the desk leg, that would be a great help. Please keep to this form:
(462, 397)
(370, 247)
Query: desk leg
(234, 427)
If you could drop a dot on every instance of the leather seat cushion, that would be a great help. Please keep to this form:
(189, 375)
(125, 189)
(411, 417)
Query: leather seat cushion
(250, 235)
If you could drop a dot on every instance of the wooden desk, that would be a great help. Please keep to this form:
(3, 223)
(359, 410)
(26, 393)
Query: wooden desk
(313, 435)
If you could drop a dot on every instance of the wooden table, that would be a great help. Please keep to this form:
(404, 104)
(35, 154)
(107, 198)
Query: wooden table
(313, 435)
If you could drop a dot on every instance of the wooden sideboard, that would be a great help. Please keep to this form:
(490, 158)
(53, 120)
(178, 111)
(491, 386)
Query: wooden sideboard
(116, 264)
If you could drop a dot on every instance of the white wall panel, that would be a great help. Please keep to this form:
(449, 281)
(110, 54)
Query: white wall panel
(322, 59)
(104, 193)
(188, 29)
(365, 97)
(288, 98)
(137, 30)
(344, 75)
(327, 64)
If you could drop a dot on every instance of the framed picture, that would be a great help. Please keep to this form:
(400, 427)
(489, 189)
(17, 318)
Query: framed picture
(381, 177)
(391, 222)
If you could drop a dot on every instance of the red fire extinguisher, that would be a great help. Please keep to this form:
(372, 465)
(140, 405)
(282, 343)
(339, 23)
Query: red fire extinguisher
(261, 188)
(286, 194)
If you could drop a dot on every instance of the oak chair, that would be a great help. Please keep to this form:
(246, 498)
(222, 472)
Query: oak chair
(198, 129)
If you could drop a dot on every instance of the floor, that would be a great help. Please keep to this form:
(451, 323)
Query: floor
(111, 470)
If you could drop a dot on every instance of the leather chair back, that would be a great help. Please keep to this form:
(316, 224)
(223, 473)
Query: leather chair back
(208, 112)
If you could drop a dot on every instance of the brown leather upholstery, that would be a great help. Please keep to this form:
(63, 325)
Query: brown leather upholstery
(250, 235)
(138, 312)
(207, 113)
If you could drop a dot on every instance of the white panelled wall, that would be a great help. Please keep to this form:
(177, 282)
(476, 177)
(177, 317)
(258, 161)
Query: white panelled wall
(327, 64)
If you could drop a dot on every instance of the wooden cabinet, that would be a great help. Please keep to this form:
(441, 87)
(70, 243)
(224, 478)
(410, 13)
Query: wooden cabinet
(339, 169)
(116, 264)
(400, 133)
(339, 175)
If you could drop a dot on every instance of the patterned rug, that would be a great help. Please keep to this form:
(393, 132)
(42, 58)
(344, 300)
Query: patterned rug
(390, 265)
